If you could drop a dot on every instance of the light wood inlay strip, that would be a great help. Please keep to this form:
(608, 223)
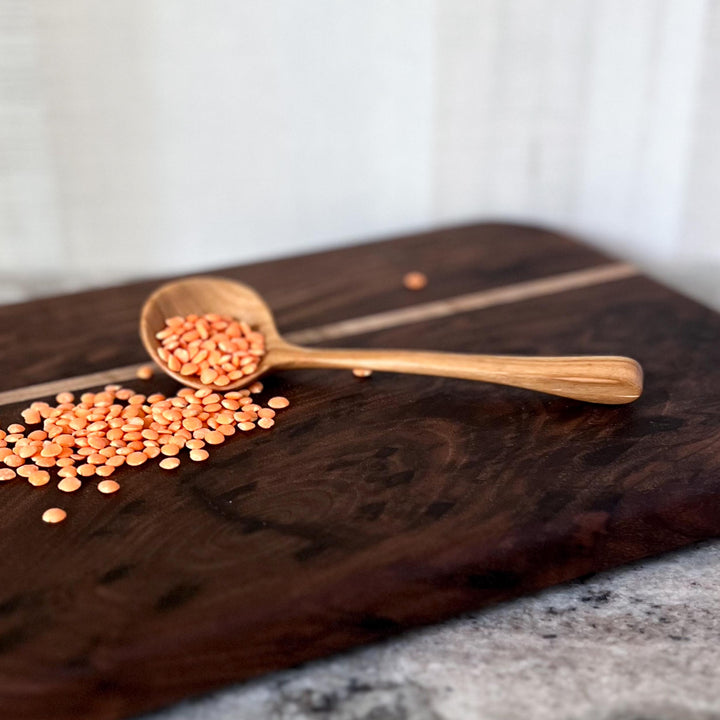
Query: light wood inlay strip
(465, 303)
(480, 300)
(71, 384)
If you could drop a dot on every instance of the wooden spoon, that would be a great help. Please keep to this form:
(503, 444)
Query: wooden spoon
(598, 379)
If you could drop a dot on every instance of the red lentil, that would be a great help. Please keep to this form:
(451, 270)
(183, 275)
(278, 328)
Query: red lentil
(136, 458)
(199, 455)
(39, 477)
(54, 515)
(415, 280)
(69, 484)
(31, 416)
(214, 437)
(362, 372)
(108, 487)
(144, 372)
(278, 402)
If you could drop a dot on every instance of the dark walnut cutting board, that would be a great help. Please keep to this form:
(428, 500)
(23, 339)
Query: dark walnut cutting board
(373, 505)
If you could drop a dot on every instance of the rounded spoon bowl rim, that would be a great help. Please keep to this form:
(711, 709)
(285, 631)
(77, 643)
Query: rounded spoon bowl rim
(151, 343)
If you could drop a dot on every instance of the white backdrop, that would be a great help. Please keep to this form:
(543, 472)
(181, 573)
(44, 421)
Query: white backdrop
(140, 137)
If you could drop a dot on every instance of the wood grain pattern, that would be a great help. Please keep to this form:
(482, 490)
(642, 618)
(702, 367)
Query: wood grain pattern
(373, 505)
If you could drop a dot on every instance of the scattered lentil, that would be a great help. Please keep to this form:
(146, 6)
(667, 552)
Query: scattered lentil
(105, 430)
(361, 372)
(51, 450)
(415, 280)
(278, 402)
(54, 515)
(144, 372)
(69, 484)
(31, 416)
(214, 437)
(136, 458)
(39, 477)
(108, 487)
(14, 461)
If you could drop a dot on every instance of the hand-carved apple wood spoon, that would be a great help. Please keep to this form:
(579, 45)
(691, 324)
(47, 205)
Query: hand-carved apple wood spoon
(598, 379)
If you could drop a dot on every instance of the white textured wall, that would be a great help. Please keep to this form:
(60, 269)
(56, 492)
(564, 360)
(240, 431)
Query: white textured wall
(147, 136)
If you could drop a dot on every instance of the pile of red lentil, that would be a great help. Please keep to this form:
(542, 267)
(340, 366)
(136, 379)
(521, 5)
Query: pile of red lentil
(214, 348)
(96, 435)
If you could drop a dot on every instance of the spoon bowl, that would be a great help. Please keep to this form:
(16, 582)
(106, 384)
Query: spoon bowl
(606, 379)
(201, 295)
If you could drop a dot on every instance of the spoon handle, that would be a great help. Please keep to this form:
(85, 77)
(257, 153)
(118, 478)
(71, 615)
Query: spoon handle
(608, 379)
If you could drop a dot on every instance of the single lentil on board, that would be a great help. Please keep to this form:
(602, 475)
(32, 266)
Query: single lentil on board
(144, 372)
(362, 373)
(415, 280)
(54, 515)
